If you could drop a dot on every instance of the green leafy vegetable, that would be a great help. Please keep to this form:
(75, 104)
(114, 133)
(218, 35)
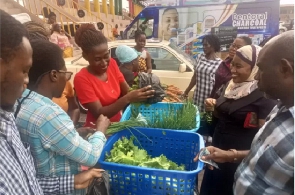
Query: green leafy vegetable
(125, 152)
(139, 121)
(207, 117)
(135, 84)
(172, 117)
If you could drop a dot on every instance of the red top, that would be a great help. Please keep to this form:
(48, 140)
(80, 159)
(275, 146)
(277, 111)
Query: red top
(90, 89)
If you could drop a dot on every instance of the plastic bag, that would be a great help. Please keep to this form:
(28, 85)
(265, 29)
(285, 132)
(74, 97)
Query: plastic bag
(146, 79)
(100, 186)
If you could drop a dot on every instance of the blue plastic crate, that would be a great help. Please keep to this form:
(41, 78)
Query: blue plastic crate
(180, 147)
(148, 111)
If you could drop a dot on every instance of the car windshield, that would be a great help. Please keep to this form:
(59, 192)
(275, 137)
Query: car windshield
(185, 55)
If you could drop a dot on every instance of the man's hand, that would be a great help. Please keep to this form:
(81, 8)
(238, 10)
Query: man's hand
(102, 123)
(84, 179)
(84, 131)
(217, 155)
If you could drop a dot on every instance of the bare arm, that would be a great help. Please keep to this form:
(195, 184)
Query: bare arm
(148, 62)
(191, 85)
(223, 156)
(109, 111)
(239, 155)
(124, 88)
(73, 111)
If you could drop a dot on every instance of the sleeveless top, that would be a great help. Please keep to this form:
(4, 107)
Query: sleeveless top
(142, 61)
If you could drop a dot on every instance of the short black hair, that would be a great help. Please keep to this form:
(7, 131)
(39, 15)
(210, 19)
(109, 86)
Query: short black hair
(213, 41)
(138, 33)
(12, 33)
(47, 56)
(51, 14)
(88, 37)
(247, 40)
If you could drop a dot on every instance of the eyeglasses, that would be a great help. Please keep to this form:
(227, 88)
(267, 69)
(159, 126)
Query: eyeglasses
(67, 74)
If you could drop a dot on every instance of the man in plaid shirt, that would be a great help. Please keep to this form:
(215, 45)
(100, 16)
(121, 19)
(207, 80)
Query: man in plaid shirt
(17, 169)
(268, 168)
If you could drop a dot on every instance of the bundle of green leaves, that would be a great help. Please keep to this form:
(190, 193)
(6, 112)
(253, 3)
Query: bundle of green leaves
(115, 127)
(125, 152)
(178, 118)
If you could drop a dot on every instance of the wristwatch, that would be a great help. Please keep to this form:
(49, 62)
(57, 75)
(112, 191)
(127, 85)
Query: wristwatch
(235, 160)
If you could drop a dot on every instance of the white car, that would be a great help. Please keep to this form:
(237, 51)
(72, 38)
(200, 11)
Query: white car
(173, 66)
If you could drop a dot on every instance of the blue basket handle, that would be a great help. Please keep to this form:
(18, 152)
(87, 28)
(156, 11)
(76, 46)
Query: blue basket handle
(202, 145)
(198, 120)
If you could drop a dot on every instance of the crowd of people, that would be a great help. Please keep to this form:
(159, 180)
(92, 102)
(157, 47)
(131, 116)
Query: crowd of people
(250, 93)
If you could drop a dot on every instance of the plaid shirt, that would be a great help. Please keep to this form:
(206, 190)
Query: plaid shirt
(17, 170)
(205, 78)
(56, 146)
(269, 167)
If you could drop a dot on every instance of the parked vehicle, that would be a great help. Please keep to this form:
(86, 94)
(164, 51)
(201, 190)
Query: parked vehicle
(187, 23)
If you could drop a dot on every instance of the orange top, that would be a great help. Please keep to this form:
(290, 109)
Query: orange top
(90, 89)
(63, 100)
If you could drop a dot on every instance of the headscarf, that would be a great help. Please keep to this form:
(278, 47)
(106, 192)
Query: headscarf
(126, 54)
(248, 54)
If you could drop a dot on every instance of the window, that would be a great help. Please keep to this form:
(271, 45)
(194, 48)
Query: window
(131, 31)
(163, 59)
(146, 25)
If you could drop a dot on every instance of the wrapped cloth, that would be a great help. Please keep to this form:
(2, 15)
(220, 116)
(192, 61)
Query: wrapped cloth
(146, 79)
(100, 186)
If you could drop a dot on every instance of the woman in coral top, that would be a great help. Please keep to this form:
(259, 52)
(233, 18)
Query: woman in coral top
(101, 87)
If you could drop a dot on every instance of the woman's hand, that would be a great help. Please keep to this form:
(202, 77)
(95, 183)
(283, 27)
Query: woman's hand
(140, 94)
(210, 104)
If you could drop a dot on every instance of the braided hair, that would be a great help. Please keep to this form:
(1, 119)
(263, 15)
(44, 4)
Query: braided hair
(88, 37)
(36, 31)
